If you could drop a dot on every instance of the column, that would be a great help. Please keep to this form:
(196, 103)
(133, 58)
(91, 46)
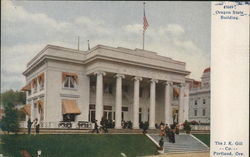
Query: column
(186, 102)
(181, 104)
(168, 108)
(136, 102)
(32, 114)
(99, 96)
(152, 104)
(118, 101)
(38, 113)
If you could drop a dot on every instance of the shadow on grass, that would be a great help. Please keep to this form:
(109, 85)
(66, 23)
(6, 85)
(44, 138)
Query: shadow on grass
(95, 145)
(205, 138)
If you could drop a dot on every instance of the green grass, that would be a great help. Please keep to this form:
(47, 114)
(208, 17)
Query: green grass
(95, 145)
(204, 138)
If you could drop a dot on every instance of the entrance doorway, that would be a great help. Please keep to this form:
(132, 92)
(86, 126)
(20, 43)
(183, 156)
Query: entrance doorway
(175, 116)
(92, 116)
(108, 115)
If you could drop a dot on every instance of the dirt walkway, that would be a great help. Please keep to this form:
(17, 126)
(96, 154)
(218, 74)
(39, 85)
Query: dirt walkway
(202, 154)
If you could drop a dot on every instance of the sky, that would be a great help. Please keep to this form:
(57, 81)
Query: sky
(179, 30)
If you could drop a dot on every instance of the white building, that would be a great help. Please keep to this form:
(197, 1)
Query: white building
(118, 83)
(199, 104)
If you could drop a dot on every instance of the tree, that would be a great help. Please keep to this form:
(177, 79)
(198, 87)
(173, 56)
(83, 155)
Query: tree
(9, 99)
(10, 121)
(13, 97)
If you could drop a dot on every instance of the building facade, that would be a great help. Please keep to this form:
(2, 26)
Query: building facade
(199, 103)
(118, 83)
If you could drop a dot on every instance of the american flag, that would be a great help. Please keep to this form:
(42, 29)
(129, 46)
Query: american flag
(145, 23)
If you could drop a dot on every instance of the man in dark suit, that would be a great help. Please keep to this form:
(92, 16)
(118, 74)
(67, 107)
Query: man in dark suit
(29, 125)
(95, 128)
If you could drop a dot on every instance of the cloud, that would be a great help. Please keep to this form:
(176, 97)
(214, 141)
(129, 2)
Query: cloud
(134, 28)
(15, 14)
(24, 34)
(172, 29)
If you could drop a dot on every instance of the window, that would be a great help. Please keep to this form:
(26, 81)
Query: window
(176, 92)
(92, 87)
(195, 102)
(195, 112)
(204, 101)
(203, 112)
(69, 82)
(69, 117)
(141, 91)
(34, 85)
(125, 88)
(41, 81)
(108, 88)
(29, 92)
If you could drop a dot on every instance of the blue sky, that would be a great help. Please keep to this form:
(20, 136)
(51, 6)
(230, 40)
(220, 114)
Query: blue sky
(180, 30)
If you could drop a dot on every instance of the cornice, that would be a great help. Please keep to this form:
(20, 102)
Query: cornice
(136, 52)
(100, 57)
(36, 60)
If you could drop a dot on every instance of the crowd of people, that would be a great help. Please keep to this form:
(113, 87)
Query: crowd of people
(168, 131)
(104, 125)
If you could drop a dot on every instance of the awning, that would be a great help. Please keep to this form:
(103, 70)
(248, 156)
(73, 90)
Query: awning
(176, 92)
(26, 87)
(34, 82)
(40, 105)
(26, 109)
(70, 107)
(41, 77)
(64, 74)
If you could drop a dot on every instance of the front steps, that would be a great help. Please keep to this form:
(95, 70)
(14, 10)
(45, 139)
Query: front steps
(183, 143)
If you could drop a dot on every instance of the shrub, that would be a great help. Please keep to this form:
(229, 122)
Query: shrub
(186, 126)
(10, 122)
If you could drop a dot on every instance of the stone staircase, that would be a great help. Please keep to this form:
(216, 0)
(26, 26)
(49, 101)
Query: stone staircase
(183, 143)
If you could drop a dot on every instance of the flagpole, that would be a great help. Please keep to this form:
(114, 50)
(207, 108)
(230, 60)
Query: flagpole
(143, 33)
(78, 43)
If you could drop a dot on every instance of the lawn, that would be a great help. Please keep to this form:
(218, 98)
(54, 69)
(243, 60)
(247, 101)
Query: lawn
(95, 145)
(204, 138)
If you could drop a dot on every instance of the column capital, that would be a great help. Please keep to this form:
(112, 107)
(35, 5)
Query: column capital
(119, 76)
(153, 80)
(168, 83)
(137, 78)
(100, 73)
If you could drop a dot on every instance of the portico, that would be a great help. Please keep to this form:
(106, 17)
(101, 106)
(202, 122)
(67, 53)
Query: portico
(136, 109)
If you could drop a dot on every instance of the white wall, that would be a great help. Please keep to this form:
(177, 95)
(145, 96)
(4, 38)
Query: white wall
(56, 92)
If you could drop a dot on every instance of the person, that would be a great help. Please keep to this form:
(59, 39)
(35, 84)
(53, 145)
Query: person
(167, 130)
(172, 135)
(177, 129)
(161, 143)
(156, 126)
(144, 127)
(104, 124)
(37, 125)
(29, 125)
(162, 130)
(123, 124)
(95, 127)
